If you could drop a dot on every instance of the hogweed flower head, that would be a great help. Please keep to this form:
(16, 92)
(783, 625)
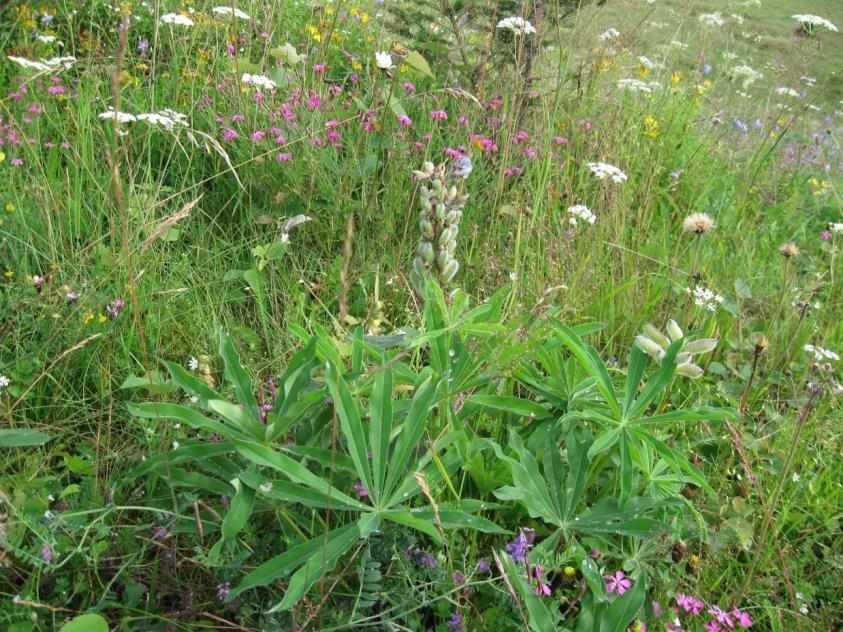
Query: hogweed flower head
(439, 221)
(698, 223)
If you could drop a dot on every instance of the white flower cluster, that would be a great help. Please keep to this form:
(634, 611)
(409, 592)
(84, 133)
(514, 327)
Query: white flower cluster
(261, 81)
(228, 11)
(176, 18)
(604, 170)
(517, 25)
(646, 62)
(705, 297)
(712, 19)
(821, 354)
(167, 118)
(384, 60)
(836, 227)
(44, 65)
(4, 381)
(790, 92)
(611, 34)
(636, 85)
(814, 21)
(580, 212)
(748, 74)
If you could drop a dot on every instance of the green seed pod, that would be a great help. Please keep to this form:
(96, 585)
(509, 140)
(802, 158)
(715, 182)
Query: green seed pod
(655, 335)
(689, 370)
(440, 212)
(418, 266)
(704, 345)
(683, 358)
(450, 271)
(443, 258)
(674, 330)
(447, 235)
(649, 347)
(426, 251)
(453, 217)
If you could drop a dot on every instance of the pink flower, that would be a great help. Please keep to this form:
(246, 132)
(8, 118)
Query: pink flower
(115, 307)
(406, 121)
(236, 118)
(361, 489)
(825, 235)
(712, 626)
(721, 616)
(314, 102)
(521, 136)
(743, 619)
(279, 140)
(318, 68)
(452, 152)
(617, 583)
(560, 140)
(16, 162)
(230, 134)
(439, 114)
(513, 171)
(284, 156)
(409, 88)
(258, 135)
(541, 588)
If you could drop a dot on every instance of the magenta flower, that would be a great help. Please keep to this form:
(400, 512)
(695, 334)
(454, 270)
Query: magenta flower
(712, 626)
(825, 235)
(439, 114)
(230, 134)
(743, 619)
(361, 489)
(690, 604)
(541, 588)
(657, 609)
(318, 68)
(38, 281)
(721, 616)
(284, 156)
(617, 583)
(115, 307)
(406, 121)
(459, 578)
(257, 136)
(72, 296)
(47, 553)
(222, 590)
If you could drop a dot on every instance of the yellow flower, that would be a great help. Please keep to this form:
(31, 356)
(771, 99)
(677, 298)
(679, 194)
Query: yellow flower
(364, 17)
(101, 319)
(643, 70)
(2, 156)
(353, 11)
(87, 318)
(707, 83)
(329, 10)
(675, 77)
(356, 65)
(10, 208)
(651, 127)
(403, 68)
(337, 37)
(8, 274)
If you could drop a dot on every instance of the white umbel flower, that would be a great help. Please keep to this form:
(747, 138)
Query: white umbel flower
(44, 65)
(122, 117)
(580, 212)
(176, 18)
(813, 22)
(712, 19)
(636, 85)
(821, 354)
(384, 60)
(603, 170)
(228, 11)
(261, 81)
(609, 34)
(517, 25)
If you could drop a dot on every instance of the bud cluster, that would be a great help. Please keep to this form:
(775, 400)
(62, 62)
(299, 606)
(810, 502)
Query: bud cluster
(654, 343)
(439, 221)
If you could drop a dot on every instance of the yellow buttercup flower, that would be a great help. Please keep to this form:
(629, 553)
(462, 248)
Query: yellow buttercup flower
(87, 318)
(675, 77)
(651, 127)
(101, 319)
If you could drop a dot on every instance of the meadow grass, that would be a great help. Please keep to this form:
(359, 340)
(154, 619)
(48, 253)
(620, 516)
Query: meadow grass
(186, 224)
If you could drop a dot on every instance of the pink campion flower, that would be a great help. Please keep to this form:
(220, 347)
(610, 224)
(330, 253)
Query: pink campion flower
(334, 90)
(439, 114)
(314, 102)
(409, 88)
(721, 616)
(317, 142)
(284, 156)
(617, 583)
(495, 103)
(56, 90)
(318, 68)
(333, 136)
(332, 123)
(406, 121)
(743, 619)
(361, 489)
(586, 125)
(72, 296)
(237, 118)
(452, 152)
(257, 136)
(657, 609)
(532, 152)
(115, 307)
(825, 235)
(230, 134)
(354, 78)
(560, 140)
(541, 588)
(418, 145)
(674, 626)
(16, 162)
(34, 108)
(462, 120)
(230, 49)
(279, 140)
(259, 97)
(521, 136)
(712, 626)
(427, 136)
(513, 171)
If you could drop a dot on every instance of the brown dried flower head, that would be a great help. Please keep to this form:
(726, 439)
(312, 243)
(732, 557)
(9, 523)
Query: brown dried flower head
(789, 250)
(698, 223)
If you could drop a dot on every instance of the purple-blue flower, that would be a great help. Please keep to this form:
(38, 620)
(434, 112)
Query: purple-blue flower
(517, 549)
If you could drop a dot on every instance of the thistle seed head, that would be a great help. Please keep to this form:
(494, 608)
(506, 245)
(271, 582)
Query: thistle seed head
(698, 223)
(789, 250)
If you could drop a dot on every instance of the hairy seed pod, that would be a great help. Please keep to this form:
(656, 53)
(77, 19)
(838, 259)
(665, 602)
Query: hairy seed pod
(703, 345)
(649, 347)
(450, 271)
(674, 330)
(654, 334)
(689, 370)
(683, 358)
(418, 266)
(443, 258)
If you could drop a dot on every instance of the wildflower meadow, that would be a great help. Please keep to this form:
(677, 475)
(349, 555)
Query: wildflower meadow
(444, 315)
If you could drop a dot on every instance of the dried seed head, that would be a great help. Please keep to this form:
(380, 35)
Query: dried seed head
(698, 223)
(678, 551)
(761, 344)
(789, 250)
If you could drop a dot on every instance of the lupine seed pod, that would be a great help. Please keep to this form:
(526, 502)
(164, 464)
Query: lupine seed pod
(649, 347)
(689, 370)
(654, 334)
(674, 330)
(441, 211)
(704, 345)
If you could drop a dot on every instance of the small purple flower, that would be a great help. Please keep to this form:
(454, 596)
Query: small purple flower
(361, 489)
(160, 532)
(455, 623)
(657, 609)
(115, 307)
(37, 281)
(143, 44)
(676, 174)
(47, 553)
(426, 559)
(459, 578)
(706, 69)
(517, 549)
(595, 553)
(223, 590)
(741, 126)
(825, 235)
(483, 566)
(617, 583)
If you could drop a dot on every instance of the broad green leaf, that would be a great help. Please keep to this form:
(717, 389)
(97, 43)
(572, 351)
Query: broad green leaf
(86, 623)
(509, 404)
(351, 425)
(153, 382)
(238, 417)
(626, 472)
(604, 442)
(194, 452)
(537, 612)
(324, 561)
(415, 60)
(593, 578)
(238, 377)
(189, 416)
(380, 431)
(238, 514)
(677, 462)
(22, 438)
(458, 519)
(191, 384)
(578, 442)
(196, 480)
(409, 519)
(657, 381)
(290, 492)
(634, 372)
(700, 413)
